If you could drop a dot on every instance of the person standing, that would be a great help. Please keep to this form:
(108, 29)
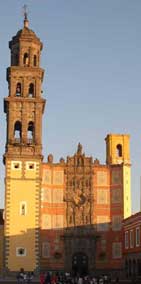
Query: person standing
(42, 278)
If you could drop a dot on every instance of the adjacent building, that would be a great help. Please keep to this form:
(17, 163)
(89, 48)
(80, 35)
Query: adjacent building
(132, 245)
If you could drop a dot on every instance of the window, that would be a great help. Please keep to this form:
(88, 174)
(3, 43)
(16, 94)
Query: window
(58, 177)
(131, 239)
(16, 165)
(30, 165)
(58, 221)
(23, 209)
(119, 150)
(137, 237)
(102, 178)
(116, 177)
(116, 195)
(116, 223)
(35, 60)
(45, 249)
(102, 196)
(46, 195)
(30, 132)
(46, 176)
(57, 195)
(17, 131)
(116, 250)
(46, 221)
(126, 240)
(18, 90)
(26, 59)
(31, 90)
(20, 251)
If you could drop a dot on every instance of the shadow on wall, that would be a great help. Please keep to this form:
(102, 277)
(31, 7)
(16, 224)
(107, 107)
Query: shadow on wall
(74, 249)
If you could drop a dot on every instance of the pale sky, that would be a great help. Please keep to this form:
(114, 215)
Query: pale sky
(92, 62)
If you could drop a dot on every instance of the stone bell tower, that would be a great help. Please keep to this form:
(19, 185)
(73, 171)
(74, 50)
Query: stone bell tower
(24, 108)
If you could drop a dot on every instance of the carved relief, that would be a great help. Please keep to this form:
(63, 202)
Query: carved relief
(79, 188)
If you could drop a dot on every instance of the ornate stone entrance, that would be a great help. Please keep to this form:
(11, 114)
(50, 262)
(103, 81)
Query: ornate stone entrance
(80, 264)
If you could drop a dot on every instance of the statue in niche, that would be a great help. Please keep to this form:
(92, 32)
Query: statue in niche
(50, 158)
(79, 149)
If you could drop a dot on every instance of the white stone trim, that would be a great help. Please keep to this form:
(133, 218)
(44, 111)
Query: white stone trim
(31, 166)
(23, 203)
(14, 163)
(17, 251)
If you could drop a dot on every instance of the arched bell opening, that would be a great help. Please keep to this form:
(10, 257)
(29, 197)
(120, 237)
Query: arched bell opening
(18, 90)
(35, 60)
(17, 132)
(31, 90)
(30, 133)
(26, 59)
(119, 150)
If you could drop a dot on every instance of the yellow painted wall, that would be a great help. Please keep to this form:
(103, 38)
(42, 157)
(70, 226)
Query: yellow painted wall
(127, 191)
(22, 185)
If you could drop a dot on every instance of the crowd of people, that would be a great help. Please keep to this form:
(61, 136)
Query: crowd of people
(56, 278)
(24, 277)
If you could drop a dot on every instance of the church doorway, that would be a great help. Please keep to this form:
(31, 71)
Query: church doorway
(80, 264)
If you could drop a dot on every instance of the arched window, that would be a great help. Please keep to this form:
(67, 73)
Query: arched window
(26, 59)
(30, 132)
(18, 90)
(31, 90)
(119, 150)
(35, 60)
(17, 131)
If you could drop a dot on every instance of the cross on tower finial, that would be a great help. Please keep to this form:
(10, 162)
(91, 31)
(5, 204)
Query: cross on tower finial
(25, 11)
(25, 16)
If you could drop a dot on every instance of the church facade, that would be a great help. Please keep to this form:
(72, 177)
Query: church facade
(64, 216)
(83, 204)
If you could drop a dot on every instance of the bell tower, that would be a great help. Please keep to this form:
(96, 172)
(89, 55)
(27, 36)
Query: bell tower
(24, 108)
(118, 157)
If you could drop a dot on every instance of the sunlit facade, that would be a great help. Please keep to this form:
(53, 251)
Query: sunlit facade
(64, 216)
